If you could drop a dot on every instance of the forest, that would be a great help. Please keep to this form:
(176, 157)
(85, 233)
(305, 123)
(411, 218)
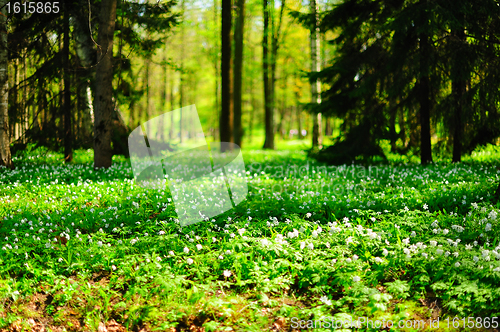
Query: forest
(248, 165)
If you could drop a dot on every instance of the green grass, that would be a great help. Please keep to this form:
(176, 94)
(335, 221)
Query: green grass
(81, 248)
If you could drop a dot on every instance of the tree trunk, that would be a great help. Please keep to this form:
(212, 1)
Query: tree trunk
(5, 157)
(317, 139)
(181, 79)
(402, 129)
(181, 104)
(14, 103)
(269, 121)
(104, 86)
(274, 57)
(86, 114)
(131, 115)
(146, 86)
(270, 68)
(217, 76)
(298, 109)
(392, 125)
(459, 83)
(68, 141)
(84, 48)
(42, 94)
(424, 94)
(225, 117)
(238, 64)
(171, 129)
(41, 101)
(281, 127)
(328, 127)
(24, 108)
(253, 99)
(253, 105)
(164, 96)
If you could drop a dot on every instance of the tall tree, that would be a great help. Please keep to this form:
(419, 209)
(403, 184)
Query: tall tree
(181, 79)
(269, 62)
(225, 121)
(317, 137)
(68, 137)
(424, 88)
(268, 108)
(215, 59)
(459, 85)
(86, 57)
(459, 76)
(5, 157)
(238, 66)
(104, 86)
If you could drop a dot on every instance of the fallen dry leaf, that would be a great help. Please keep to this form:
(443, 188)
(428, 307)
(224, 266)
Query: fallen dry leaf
(102, 327)
(113, 326)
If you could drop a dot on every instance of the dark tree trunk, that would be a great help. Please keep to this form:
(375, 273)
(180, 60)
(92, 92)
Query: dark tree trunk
(402, 129)
(424, 94)
(146, 87)
(24, 107)
(459, 83)
(317, 139)
(43, 105)
(268, 109)
(15, 103)
(131, 115)
(5, 156)
(238, 66)
(392, 126)
(41, 101)
(104, 86)
(217, 82)
(225, 124)
(269, 68)
(68, 133)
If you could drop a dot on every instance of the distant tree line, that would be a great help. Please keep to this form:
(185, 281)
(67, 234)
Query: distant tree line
(422, 75)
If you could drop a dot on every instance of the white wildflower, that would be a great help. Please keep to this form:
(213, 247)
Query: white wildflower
(325, 300)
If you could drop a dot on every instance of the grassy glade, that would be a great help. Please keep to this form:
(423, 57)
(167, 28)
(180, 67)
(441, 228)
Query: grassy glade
(81, 248)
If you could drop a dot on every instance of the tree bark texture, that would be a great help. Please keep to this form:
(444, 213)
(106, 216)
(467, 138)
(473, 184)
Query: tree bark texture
(5, 156)
(424, 94)
(225, 117)
(68, 134)
(104, 86)
(238, 66)
(317, 137)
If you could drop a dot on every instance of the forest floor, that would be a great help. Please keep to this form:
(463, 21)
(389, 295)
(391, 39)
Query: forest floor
(311, 247)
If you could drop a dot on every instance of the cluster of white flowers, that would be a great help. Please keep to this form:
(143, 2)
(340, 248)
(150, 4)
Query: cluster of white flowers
(457, 228)
(293, 234)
